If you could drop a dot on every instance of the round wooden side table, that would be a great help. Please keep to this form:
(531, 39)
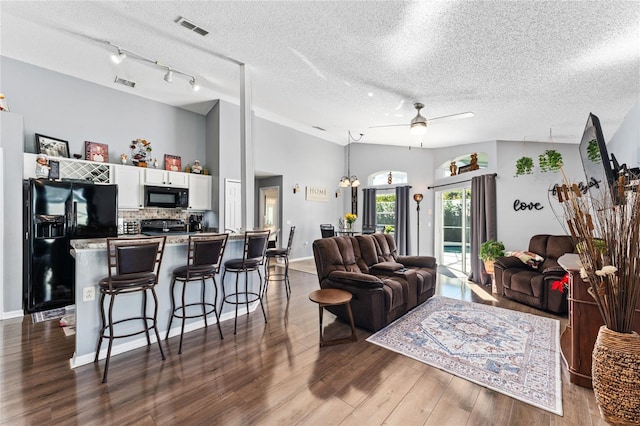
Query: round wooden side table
(334, 297)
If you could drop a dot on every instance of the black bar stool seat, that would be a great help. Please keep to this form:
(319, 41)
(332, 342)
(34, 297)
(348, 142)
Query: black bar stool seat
(204, 255)
(279, 253)
(133, 265)
(255, 245)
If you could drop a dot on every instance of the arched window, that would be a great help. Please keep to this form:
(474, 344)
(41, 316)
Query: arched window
(387, 178)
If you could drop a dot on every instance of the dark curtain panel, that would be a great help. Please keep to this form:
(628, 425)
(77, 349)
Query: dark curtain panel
(369, 207)
(483, 223)
(402, 219)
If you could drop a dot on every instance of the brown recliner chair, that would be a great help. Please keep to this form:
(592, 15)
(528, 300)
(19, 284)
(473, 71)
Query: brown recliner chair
(520, 282)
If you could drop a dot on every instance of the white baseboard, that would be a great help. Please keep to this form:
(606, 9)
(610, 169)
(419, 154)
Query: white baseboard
(301, 258)
(12, 314)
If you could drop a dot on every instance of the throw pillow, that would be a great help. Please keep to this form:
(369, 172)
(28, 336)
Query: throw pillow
(531, 259)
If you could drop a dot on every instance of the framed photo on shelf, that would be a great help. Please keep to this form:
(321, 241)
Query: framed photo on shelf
(94, 151)
(54, 169)
(172, 163)
(51, 147)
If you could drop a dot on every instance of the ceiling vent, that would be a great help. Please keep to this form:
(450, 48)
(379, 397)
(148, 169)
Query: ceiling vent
(127, 83)
(191, 26)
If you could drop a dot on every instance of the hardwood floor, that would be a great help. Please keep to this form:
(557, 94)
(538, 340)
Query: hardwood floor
(267, 374)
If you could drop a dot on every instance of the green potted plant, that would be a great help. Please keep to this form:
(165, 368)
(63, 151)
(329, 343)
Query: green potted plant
(550, 160)
(524, 166)
(489, 251)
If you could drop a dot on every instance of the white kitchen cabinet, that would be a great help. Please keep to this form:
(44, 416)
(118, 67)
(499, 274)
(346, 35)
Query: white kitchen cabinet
(199, 192)
(166, 178)
(129, 181)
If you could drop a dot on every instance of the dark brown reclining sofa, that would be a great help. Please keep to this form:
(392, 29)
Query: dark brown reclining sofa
(532, 286)
(384, 285)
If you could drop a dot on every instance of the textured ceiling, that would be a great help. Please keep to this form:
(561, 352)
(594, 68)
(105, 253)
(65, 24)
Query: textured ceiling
(522, 67)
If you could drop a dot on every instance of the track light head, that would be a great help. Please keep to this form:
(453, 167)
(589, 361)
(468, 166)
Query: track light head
(168, 77)
(117, 58)
(194, 85)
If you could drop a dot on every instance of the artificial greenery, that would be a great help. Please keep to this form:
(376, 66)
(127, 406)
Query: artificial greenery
(593, 152)
(524, 166)
(388, 229)
(550, 160)
(490, 250)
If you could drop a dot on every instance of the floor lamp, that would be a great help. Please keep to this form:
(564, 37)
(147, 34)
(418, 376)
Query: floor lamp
(417, 198)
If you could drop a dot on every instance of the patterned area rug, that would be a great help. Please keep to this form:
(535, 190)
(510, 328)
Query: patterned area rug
(511, 352)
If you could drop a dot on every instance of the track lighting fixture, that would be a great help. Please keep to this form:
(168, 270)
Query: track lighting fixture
(122, 53)
(117, 58)
(168, 77)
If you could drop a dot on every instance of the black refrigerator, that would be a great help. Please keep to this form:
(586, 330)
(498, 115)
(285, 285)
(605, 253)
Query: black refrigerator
(54, 214)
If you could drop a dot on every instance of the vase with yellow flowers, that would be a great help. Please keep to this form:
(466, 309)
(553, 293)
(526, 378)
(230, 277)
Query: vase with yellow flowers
(350, 218)
(605, 227)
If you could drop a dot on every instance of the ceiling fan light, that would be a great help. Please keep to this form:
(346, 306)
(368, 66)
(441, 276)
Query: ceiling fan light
(354, 181)
(344, 182)
(418, 128)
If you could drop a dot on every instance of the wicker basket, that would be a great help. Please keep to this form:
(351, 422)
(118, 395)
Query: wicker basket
(615, 373)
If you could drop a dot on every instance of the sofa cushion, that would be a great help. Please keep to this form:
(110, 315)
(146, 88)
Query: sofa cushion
(387, 267)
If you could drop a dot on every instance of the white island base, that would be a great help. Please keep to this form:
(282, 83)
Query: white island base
(91, 266)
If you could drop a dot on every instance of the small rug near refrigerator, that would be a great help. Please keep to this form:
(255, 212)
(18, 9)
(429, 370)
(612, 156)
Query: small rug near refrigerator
(511, 352)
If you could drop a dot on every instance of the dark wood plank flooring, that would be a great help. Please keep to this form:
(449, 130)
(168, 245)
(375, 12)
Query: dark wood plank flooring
(267, 374)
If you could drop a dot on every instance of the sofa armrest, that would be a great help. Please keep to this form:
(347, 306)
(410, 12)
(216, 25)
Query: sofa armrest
(354, 279)
(386, 268)
(418, 261)
(554, 270)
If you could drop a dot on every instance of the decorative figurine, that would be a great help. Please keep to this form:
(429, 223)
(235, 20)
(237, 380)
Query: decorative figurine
(124, 158)
(42, 166)
(155, 163)
(474, 161)
(453, 168)
(196, 168)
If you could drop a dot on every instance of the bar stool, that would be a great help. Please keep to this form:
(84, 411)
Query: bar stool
(279, 253)
(204, 257)
(133, 264)
(255, 245)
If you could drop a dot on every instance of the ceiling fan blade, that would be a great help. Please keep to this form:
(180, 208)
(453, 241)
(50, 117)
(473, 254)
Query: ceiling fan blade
(389, 125)
(458, 116)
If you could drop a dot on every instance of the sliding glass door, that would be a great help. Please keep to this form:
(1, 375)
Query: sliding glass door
(455, 229)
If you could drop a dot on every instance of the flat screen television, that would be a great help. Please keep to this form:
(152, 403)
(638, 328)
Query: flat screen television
(600, 174)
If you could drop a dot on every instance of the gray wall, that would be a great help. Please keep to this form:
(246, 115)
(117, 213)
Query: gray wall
(74, 110)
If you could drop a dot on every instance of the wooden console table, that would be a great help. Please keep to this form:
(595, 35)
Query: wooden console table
(576, 342)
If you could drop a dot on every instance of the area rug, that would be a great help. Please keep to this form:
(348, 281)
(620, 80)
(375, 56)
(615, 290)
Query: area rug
(511, 352)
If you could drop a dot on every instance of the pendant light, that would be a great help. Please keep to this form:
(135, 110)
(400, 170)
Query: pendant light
(349, 179)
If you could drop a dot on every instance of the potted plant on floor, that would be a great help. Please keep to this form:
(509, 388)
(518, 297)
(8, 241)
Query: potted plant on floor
(489, 251)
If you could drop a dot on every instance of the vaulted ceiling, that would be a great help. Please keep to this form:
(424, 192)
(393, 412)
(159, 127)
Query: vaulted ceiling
(522, 67)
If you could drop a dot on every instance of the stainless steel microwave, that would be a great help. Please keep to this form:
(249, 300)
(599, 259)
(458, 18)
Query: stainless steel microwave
(166, 197)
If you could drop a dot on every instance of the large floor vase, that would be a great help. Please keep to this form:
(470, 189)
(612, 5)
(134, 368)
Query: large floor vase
(615, 373)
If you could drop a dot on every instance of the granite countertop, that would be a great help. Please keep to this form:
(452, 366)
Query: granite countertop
(101, 243)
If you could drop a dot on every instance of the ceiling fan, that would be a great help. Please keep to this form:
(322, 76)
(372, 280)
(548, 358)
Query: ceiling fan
(418, 125)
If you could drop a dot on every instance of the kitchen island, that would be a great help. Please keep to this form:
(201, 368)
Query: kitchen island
(91, 266)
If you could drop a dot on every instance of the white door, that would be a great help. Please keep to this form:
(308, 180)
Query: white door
(232, 204)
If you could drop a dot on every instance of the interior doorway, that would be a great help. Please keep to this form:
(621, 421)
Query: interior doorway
(453, 243)
(269, 210)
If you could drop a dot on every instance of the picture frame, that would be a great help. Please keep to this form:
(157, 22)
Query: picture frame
(51, 147)
(98, 152)
(172, 163)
